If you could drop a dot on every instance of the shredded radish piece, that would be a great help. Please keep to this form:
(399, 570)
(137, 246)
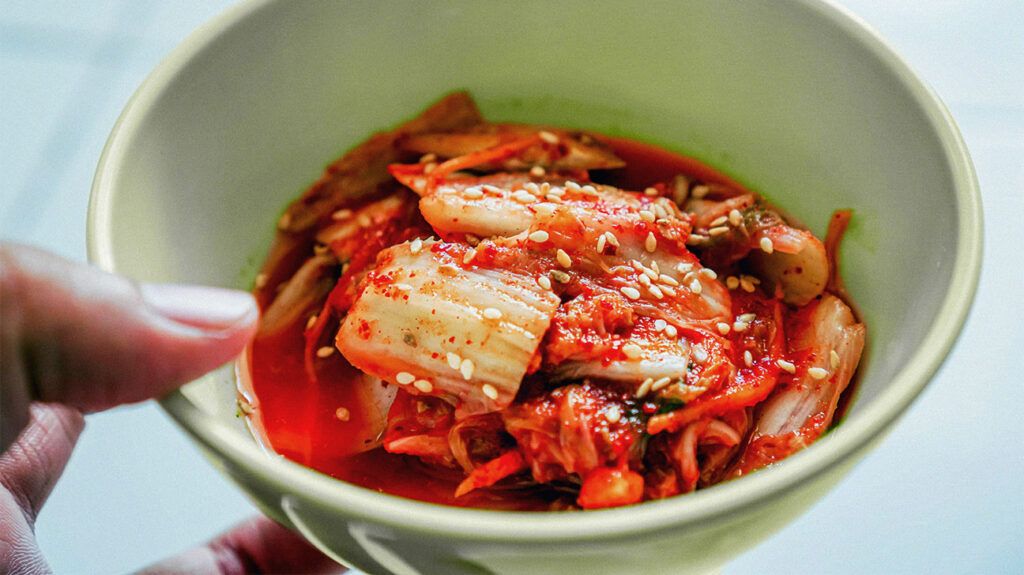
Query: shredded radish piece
(493, 471)
(836, 230)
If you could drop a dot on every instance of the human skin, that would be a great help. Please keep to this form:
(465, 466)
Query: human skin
(75, 340)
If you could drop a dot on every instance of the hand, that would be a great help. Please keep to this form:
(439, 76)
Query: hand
(76, 340)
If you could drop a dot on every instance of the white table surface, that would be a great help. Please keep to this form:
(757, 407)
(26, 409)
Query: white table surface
(943, 494)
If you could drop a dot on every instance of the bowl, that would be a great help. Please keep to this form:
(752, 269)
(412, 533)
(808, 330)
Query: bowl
(798, 100)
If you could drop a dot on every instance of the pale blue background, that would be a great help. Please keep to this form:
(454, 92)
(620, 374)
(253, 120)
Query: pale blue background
(944, 493)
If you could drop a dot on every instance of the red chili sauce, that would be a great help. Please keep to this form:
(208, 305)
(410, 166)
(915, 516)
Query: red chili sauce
(297, 418)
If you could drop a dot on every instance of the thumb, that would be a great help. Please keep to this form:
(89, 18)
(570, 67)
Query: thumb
(73, 334)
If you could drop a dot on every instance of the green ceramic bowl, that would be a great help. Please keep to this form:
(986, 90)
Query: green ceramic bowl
(798, 99)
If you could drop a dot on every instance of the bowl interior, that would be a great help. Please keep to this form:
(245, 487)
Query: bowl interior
(790, 98)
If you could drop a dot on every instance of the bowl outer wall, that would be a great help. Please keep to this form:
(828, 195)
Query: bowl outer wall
(698, 508)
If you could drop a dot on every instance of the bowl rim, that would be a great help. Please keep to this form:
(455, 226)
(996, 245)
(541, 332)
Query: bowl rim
(714, 504)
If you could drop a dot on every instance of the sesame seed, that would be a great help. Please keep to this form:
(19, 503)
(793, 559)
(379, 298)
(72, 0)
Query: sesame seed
(423, 385)
(285, 221)
(554, 191)
(709, 273)
(539, 236)
(589, 190)
(735, 217)
(492, 313)
(732, 282)
(601, 241)
(492, 189)
(454, 361)
(671, 331)
(427, 158)
(720, 220)
(748, 358)
(644, 280)
(660, 384)
(746, 284)
(489, 391)
(644, 388)
(545, 209)
(613, 415)
(651, 243)
(560, 276)
(684, 267)
(696, 239)
(537, 171)
(614, 241)
(632, 350)
(659, 325)
(646, 216)
(524, 197)
(544, 282)
(531, 187)
(469, 256)
(553, 198)
(261, 280)
(341, 215)
(667, 279)
(655, 267)
(747, 317)
(548, 137)
(713, 232)
(473, 193)
(563, 258)
(325, 351)
(466, 369)
(655, 291)
(342, 414)
(699, 191)
(766, 245)
(364, 221)
(311, 321)
(723, 328)
(817, 372)
(739, 326)
(651, 192)
(404, 378)
(430, 167)
(571, 185)
(403, 287)
(651, 274)
(834, 359)
(696, 287)
(786, 366)
(669, 291)
(630, 292)
(700, 355)
(416, 246)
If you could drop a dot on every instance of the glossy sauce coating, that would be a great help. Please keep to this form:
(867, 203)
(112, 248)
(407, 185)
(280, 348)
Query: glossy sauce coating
(298, 419)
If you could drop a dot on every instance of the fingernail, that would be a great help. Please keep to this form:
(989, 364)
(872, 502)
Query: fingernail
(207, 308)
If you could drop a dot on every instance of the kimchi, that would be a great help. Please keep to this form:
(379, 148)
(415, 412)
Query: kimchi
(527, 317)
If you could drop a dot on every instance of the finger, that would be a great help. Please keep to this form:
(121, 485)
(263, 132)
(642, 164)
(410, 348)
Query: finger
(80, 336)
(256, 546)
(31, 466)
(28, 472)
